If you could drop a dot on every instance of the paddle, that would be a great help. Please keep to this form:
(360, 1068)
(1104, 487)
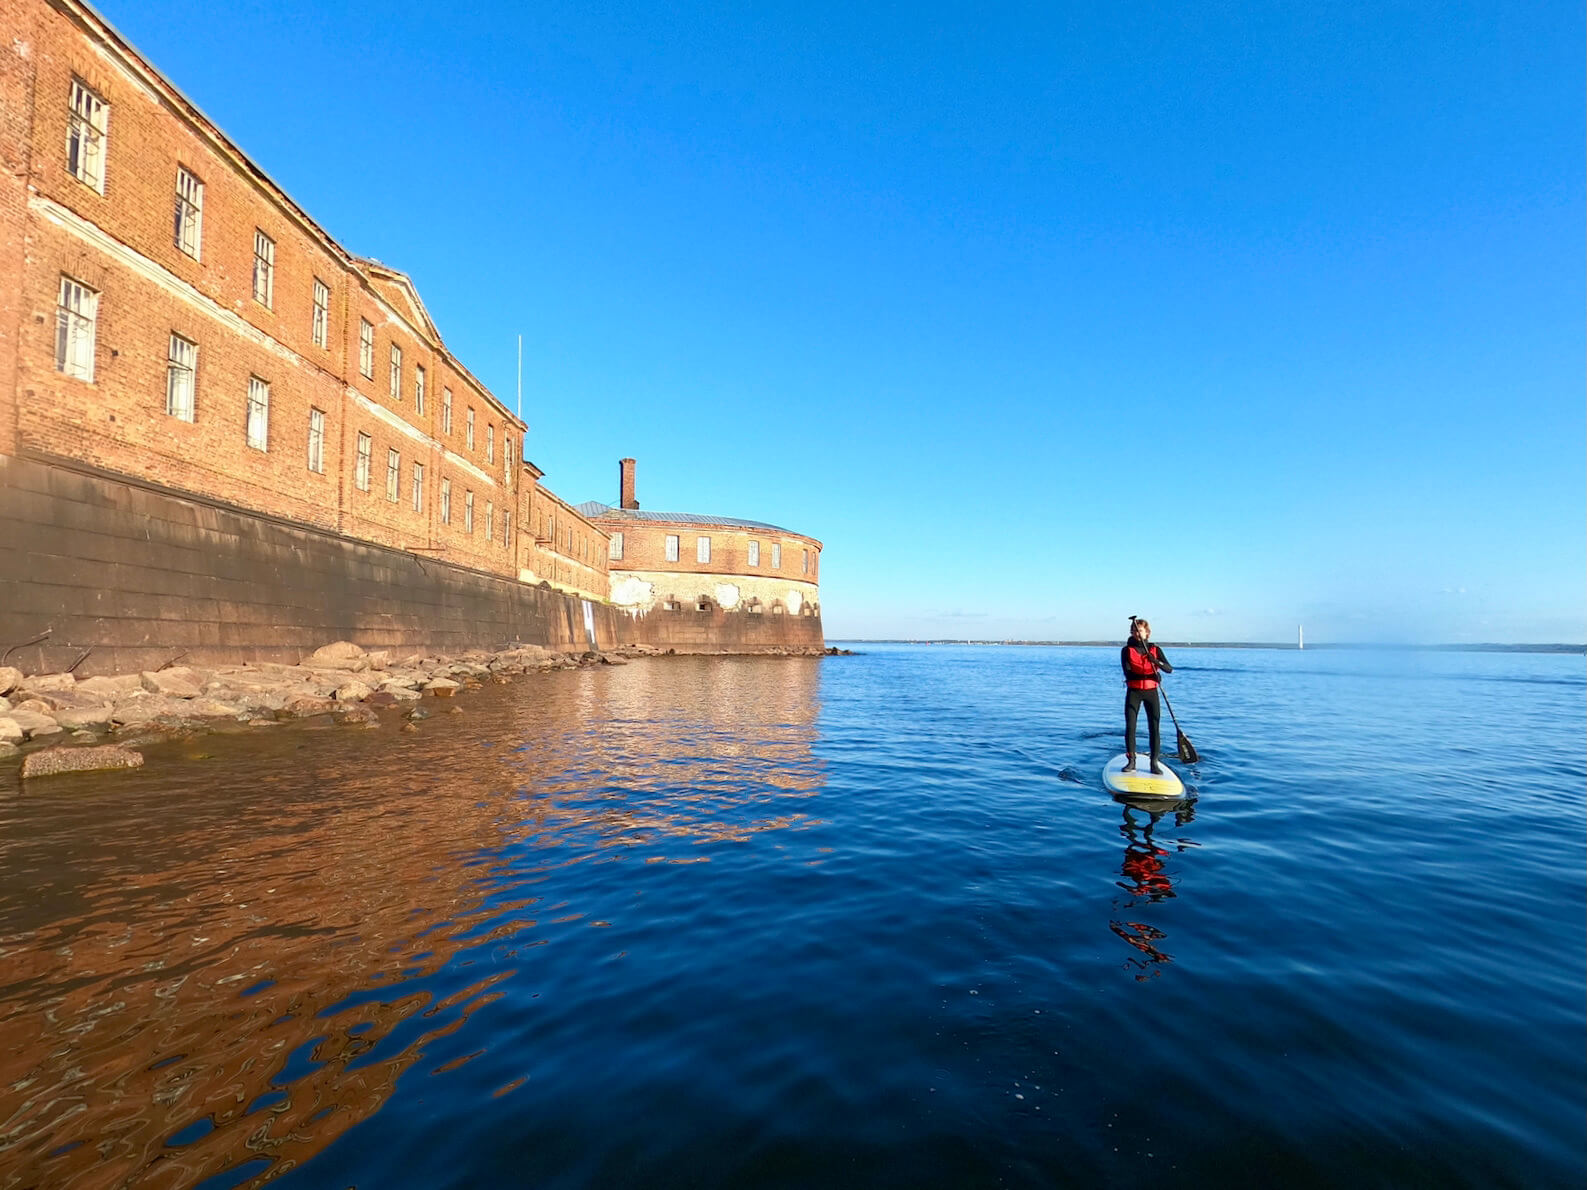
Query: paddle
(1187, 750)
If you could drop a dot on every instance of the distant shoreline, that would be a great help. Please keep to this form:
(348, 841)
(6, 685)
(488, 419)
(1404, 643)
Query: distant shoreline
(1221, 644)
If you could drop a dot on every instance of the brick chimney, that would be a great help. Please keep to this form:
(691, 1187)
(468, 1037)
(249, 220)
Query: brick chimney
(625, 473)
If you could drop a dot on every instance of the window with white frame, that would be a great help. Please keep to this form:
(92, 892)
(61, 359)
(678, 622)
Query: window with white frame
(418, 389)
(86, 128)
(702, 549)
(446, 410)
(366, 348)
(468, 429)
(264, 269)
(317, 441)
(446, 501)
(76, 320)
(366, 446)
(754, 553)
(672, 547)
(258, 413)
(181, 369)
(490, 520)
(393, 474)
(468, 511)
(320, 327)
(614, 548)
(396, 373)
(418, 487)
(776, 555)
(189, 228)
(490, 444)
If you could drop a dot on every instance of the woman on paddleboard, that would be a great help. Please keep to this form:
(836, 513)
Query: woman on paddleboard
(1142, 662)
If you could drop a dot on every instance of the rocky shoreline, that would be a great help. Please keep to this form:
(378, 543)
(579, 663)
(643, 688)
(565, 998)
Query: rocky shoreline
(58, 723)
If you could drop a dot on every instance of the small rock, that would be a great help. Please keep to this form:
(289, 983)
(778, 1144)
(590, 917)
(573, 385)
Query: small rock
(172, 685)
(355, 714)
(342, 654)
(352, 692)
(454, 710)
(10, 678)
(442, 687)
(418, 713)
(402, 693)
(379, 659)
(381, 698)
(50, 761)
(84, 737)
(410, 728)
(613, 659)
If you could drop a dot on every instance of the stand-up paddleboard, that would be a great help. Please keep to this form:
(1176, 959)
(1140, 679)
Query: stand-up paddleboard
(1142, 782)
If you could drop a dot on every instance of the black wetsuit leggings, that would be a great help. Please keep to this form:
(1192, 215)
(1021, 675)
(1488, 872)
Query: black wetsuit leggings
(1134, 700)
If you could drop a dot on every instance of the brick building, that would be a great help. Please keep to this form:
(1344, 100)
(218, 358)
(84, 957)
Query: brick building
(676, 561)
(180, 319)
(223, 433)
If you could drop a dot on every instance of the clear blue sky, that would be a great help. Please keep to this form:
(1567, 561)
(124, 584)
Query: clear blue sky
(1233, 315)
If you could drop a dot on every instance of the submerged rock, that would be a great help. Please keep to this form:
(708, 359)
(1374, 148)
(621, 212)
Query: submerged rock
(50, 761)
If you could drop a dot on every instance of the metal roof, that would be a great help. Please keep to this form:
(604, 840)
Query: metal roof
(594, 508)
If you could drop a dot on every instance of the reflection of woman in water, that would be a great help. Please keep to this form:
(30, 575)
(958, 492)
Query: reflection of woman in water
(1145, 876)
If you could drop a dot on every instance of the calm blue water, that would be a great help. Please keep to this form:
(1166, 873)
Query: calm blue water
(863, 921)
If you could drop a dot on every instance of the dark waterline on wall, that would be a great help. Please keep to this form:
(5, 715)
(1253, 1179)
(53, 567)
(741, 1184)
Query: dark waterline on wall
(868, 921)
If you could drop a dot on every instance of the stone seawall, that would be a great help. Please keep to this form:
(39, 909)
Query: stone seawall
(689, 630)
(137, 576)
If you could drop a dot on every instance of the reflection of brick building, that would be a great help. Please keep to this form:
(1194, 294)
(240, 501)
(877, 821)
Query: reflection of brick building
(222, 433)
(676, 561)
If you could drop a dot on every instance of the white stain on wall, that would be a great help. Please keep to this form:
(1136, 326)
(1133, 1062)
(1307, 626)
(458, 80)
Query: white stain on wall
(633, 593)
(726, 596)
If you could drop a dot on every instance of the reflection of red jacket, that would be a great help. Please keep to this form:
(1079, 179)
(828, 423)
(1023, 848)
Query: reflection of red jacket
(1141, 666)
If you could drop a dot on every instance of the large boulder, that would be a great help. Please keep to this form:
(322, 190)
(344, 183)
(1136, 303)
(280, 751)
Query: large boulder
(342, 654)
(10, 678)
(144, 710)
(11, 731)
(96, 718)
(49, 761)
(352, 692)
(111, 687)
(301, 706)
(39, 683)
(212, 708)
(171, 683)
(32, 723)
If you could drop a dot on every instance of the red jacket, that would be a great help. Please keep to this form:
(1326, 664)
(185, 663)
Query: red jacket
(1140, 670)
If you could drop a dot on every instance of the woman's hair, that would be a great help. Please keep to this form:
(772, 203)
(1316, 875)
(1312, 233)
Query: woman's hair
(1141, 620)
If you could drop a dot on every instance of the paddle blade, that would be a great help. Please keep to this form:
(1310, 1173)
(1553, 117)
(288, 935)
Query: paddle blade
(1187, 750)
